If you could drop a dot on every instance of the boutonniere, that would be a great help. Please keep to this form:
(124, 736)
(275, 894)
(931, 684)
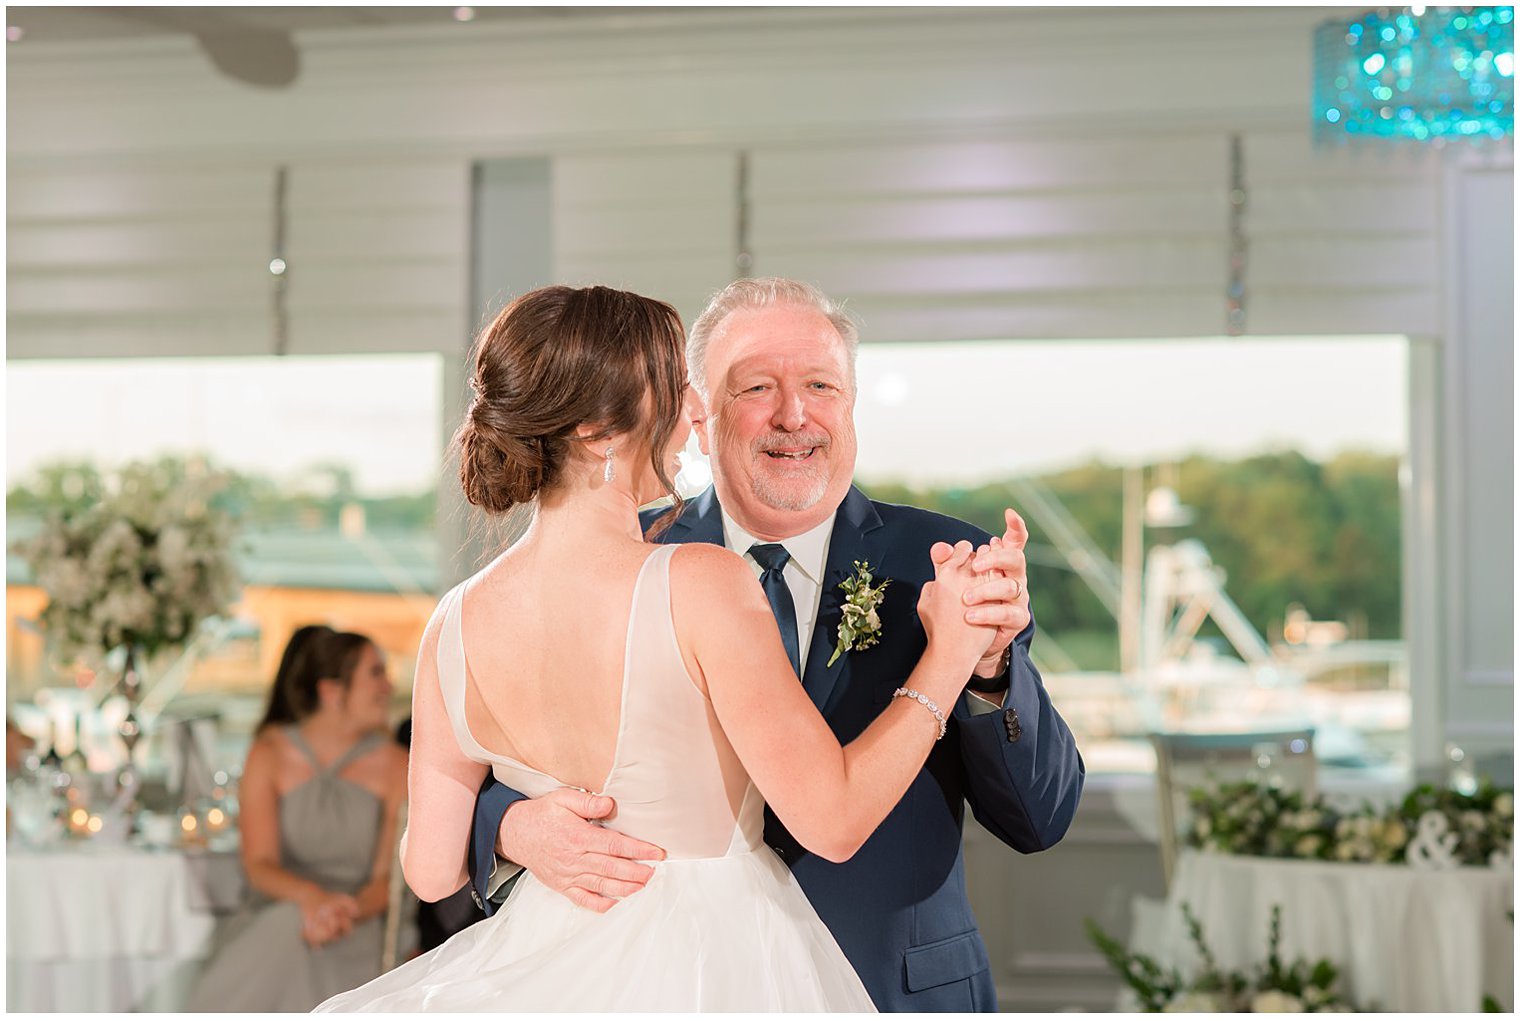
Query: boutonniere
(860, 627)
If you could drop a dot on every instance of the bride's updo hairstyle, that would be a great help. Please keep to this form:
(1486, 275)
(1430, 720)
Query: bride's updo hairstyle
(557, 358)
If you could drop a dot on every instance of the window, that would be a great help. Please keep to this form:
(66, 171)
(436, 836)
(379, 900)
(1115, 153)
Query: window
(336, 463)
(1267, 476)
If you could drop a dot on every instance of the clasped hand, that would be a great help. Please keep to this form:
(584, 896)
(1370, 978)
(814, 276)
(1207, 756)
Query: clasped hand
(1002, 601)
(327, 916)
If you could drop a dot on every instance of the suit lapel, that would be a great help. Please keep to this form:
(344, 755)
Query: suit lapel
(701, 520)
(854, 539)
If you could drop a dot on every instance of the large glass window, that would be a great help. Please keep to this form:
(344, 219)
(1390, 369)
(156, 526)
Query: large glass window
(335, 464)
(1215, 524)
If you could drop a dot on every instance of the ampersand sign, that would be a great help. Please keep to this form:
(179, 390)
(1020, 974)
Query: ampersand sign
(1434, 846)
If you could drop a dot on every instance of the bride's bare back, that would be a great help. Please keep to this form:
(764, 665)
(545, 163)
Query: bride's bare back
(545, 643)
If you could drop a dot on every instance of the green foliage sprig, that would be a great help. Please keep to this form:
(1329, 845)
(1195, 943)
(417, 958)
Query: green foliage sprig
(1271, 986)
(860, 622)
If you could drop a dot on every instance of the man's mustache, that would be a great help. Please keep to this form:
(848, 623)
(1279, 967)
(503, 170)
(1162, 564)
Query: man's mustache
(790, 440)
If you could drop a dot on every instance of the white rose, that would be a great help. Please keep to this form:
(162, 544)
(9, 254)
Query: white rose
(1394, 834)
(1194, 1001)
(1504, 805)
(873, 621)
(1276, 1001)
(1473, 819)
(1307, 845)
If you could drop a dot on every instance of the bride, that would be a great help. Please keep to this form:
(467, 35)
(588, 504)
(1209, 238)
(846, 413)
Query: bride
(585, 656)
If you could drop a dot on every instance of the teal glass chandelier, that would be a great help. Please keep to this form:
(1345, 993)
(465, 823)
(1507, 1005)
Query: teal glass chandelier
(1424, 73)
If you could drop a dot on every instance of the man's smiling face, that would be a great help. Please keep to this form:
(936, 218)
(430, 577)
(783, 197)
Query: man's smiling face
(780, 426)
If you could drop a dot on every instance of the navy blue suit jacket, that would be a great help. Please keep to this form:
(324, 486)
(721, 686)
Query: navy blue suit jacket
(898, 908)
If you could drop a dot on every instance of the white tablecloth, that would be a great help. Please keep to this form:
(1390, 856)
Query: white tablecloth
(1404, 939)
(98, 928)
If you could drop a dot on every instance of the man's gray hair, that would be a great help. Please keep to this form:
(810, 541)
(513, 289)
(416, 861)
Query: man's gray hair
(763, 292)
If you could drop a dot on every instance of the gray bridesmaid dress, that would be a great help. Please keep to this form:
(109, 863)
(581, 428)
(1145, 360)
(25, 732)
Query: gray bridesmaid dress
(328, 834)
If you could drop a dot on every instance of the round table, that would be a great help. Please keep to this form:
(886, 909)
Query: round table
(116, 928)
(1405, 940)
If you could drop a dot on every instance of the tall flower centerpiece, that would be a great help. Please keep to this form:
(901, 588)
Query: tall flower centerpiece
(133, 566)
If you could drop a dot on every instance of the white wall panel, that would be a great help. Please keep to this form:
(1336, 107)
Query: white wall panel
(827, 220)
(378, 249)
(1152, 313)
(44, 244)
(112, 257)
(1480, 464)
(660, 224)
(170, 257)
(993, 165)
(1001, 238)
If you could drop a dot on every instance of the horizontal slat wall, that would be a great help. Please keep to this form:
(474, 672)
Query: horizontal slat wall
(1112, 237)
(662, 224)
(1002, 238)
(105, 260)
(379, 255)
(148, 260)
(1342, 240)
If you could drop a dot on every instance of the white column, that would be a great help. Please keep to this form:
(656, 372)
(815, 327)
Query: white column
(1478, 499)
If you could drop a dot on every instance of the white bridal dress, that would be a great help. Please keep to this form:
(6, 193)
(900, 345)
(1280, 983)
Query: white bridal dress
(721, 926)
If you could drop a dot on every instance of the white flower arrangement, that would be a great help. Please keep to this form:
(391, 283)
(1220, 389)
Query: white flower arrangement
(143, 564)
(1253, 819)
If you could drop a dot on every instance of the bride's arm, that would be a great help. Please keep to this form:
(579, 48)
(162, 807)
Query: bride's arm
(441, 784)
(831, 798)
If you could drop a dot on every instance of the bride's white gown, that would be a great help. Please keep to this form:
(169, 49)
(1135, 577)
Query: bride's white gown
(721, 926)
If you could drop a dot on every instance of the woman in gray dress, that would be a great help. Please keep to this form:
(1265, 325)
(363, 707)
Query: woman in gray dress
(319, 799)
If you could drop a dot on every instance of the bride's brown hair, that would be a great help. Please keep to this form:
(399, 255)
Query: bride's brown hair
(557, 358)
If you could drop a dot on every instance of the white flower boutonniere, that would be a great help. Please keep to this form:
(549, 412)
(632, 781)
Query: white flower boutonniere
(860, 626)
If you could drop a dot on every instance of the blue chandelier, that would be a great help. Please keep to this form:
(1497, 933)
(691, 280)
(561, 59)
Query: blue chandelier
(1429, 74)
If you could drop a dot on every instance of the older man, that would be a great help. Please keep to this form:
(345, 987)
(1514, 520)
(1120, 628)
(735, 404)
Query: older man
(773, 362)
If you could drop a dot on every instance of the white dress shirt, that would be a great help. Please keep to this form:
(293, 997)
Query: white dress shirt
(803, 572)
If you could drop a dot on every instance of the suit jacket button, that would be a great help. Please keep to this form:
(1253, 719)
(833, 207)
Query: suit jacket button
(1011, 724)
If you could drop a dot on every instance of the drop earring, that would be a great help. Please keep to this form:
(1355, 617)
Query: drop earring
(607, 472)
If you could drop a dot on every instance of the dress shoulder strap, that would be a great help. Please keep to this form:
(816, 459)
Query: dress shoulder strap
(363, 746)
(293, 734)
(359, 749)
(449, 663)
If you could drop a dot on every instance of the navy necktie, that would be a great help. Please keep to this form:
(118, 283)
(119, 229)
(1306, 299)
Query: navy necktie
(772, 558)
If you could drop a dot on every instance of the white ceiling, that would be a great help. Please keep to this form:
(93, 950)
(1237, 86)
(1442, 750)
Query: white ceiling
(75, 24)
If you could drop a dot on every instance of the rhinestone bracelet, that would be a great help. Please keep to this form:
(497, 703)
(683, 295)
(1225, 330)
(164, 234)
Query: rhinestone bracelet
(939, 716)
